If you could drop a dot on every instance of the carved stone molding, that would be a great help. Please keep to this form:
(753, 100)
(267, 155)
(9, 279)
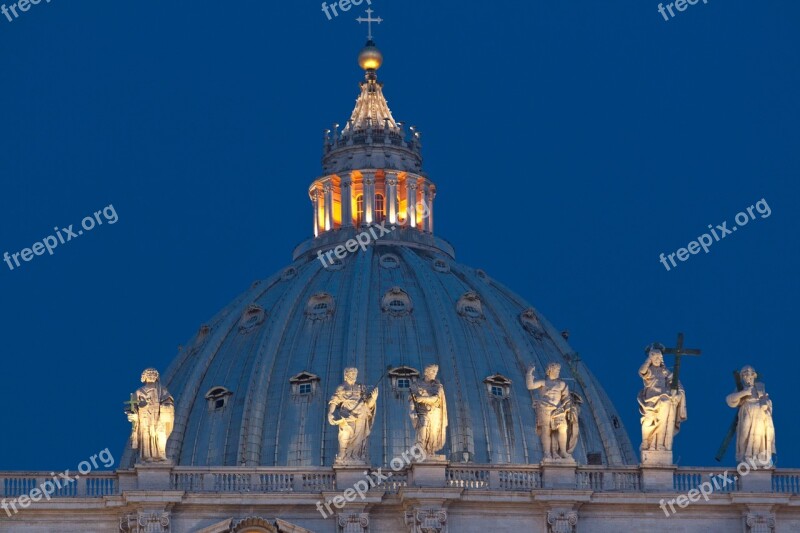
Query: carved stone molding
(427, 520)
(353, 522)
(253, 524)
(145, 522)
(760, 523)
(562, 520)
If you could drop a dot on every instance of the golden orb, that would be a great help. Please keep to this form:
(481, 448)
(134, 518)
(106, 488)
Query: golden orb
(370, 57)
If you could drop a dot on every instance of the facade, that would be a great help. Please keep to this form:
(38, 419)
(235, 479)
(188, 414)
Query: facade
(254, 443)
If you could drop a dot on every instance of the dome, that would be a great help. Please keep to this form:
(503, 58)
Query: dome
(252, 387)
(271, 360)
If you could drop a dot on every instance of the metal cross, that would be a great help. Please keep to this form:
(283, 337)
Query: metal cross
(679, 351)
(369, 20)
(732, 430)
(133, 404)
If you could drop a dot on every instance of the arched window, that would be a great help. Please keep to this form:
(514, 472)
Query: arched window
(359, 210)
(380, 208)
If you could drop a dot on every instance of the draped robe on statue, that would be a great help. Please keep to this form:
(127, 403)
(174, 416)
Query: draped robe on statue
(154, 420)
(755, 437)
(357, 411)
(429, 413)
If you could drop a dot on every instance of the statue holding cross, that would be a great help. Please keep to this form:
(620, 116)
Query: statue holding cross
(755, 431)
(662, 401)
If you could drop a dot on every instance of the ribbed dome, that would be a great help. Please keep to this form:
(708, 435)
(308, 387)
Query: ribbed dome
(398, 305)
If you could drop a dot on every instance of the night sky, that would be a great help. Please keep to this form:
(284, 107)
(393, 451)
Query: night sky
(571, 143)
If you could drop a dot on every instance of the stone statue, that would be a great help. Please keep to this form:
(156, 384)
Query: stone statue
(755, 433)
(356, 407)
(429, 413)
(662, 409)
(557, 413)
(152, 413)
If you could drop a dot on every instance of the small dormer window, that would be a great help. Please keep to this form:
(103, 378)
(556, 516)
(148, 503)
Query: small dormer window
(498, 386)
(401, 378)
(252, 317)
(217, 398)
(304, 384)
(440, 265)
(389, 261)
(288, 274)
(397, 302)
(320, 306)
(530, 321)
(469, 306)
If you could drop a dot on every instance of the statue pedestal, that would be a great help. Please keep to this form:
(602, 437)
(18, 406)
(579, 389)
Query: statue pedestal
(656, 458)
(756, 479)
(153, 476)
(348, 475)
(658, 472)
(559, 473)
(430, 473)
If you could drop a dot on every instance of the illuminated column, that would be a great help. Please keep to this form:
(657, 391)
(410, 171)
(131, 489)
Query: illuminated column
(422, 206)
(369, 196)
(328, 188)
(315, 203)
(347, 201)
(391, 197)
(411, 201)
(430, 207)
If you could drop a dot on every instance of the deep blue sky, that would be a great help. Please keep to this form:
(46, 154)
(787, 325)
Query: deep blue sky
(571, 142)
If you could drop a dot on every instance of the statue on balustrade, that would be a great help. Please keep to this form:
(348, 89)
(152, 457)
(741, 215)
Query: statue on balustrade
(755, 432)
(356, 405)
(429, 413)
(557, 412)
(662, 406)
(151, 410)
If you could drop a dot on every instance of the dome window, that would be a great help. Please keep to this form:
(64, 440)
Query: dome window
(469, 306)
(531, 323)
(380, 208)
(396, 302)
(217, 398)
(402, 377)
(498, 386)
(440, 265)
(320, 306)
(288, 274)
(481, 274)
(304, 384)
(359, 210)
(253, 317)
(390, 261)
